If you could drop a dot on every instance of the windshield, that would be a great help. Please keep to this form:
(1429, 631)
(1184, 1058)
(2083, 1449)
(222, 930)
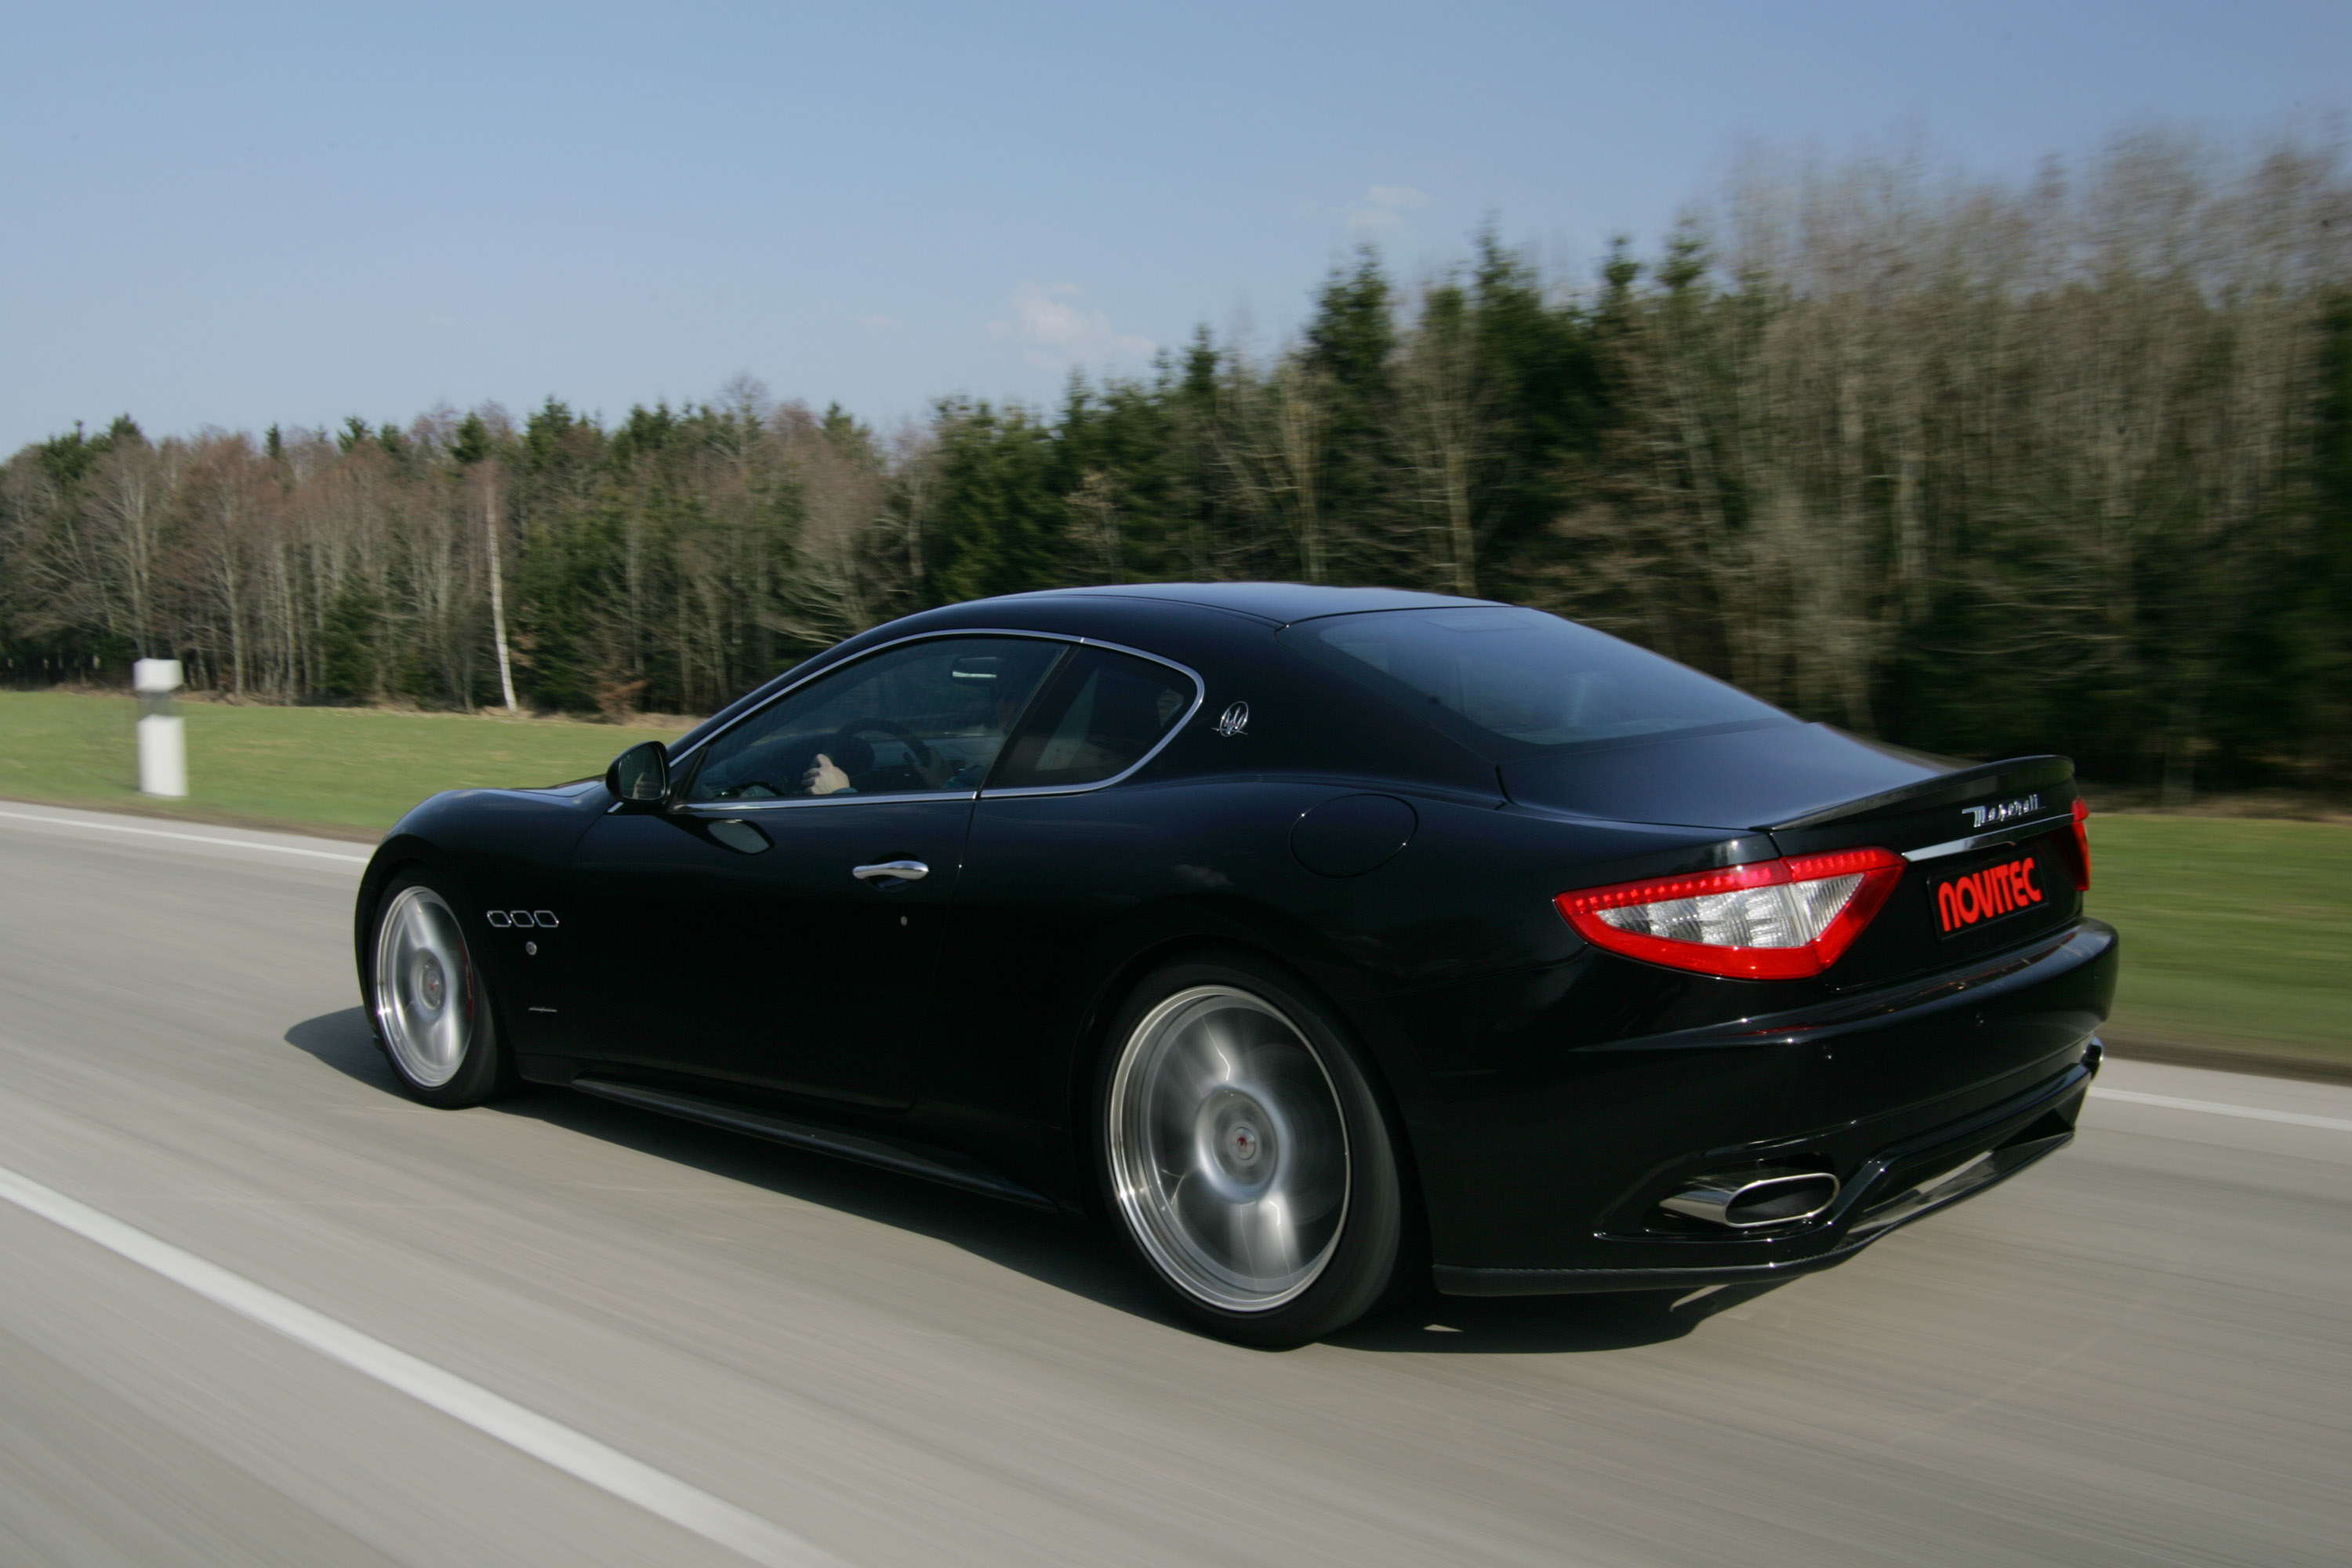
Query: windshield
(1529, 680)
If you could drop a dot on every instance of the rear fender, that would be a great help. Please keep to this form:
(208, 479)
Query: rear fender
(1147, 938)
(1156, 936)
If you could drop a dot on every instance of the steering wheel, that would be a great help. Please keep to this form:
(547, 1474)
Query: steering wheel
(927, 761)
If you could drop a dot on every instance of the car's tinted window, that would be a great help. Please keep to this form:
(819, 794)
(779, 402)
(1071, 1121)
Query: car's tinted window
(1100, 716)
(1529, 680)
(927, 716)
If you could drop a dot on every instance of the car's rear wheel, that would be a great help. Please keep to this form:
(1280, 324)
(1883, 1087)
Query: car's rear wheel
(428, 1002)
(1245, 1155)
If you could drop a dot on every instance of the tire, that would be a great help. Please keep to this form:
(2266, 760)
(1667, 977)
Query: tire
(428, 1002)
(1243, 1155)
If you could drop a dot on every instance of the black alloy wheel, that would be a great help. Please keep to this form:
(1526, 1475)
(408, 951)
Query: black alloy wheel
(1244, 1153)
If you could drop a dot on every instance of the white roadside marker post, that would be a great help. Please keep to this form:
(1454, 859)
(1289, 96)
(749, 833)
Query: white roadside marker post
(162, 747)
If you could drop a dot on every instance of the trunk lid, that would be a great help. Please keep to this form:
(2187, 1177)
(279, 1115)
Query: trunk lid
(1989, 848)
(1991, 864)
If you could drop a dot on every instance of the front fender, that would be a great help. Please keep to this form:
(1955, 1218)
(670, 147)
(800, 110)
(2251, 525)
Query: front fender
(491, 849)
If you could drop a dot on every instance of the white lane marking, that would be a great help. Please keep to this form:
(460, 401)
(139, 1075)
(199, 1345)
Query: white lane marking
(2215, 1108)
(573, 1453)
(186, 838)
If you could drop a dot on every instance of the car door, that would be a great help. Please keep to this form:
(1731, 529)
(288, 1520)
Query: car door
(778, 924)
(1058, 846)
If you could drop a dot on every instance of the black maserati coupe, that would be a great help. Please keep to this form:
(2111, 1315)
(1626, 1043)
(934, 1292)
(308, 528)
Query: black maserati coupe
(1323, 939)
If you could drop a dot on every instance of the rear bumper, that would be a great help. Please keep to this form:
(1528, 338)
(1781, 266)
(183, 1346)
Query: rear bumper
(1902, 1184)
(1913, 1097)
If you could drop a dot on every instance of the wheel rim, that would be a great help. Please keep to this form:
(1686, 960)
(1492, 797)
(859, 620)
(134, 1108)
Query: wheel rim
(424, 994)
(1228, 1152)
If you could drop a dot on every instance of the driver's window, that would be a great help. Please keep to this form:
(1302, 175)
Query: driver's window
(927, 716)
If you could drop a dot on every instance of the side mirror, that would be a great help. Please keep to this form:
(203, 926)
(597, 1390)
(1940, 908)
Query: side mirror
(640, 776)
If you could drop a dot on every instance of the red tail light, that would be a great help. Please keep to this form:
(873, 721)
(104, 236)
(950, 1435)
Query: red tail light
(1772, 920)
(2081, 845)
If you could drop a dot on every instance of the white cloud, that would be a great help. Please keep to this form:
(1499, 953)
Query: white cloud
(1054, 332)
(1387, 206)
(883, 323)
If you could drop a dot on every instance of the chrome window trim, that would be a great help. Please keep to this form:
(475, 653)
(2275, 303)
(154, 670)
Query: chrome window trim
(725, 808)
(2009, 833)
(1199, 698)
(1026, 791)
(732, 807)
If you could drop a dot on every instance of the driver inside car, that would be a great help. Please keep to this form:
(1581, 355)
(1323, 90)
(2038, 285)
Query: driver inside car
(826, 776)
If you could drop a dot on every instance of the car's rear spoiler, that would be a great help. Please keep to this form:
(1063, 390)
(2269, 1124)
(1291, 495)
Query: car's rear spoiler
(1993, 802)
(2018, 775)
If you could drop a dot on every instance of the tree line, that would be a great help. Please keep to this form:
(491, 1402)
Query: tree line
(1974, 466)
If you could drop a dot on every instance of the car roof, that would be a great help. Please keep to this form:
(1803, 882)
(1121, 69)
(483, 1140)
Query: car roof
(1278, 604)
(1066, 610)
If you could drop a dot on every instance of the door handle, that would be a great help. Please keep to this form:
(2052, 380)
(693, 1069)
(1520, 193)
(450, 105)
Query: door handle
(892, 871)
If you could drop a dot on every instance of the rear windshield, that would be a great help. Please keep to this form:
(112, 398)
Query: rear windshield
(1525, 681)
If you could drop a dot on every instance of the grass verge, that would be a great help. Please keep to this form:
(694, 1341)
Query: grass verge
(350, 772)
(2237, 931)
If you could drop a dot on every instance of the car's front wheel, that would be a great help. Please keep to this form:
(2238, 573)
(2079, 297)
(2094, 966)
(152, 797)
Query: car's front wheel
(1245, 1155)
(428, 1002)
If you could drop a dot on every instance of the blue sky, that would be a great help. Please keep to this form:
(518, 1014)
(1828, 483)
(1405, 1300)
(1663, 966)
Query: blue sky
(240, 216)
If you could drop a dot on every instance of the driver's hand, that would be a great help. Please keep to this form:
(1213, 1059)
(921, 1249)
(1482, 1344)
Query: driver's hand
(825, 778)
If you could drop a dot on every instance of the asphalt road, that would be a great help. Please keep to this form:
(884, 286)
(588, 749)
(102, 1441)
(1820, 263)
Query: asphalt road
(2139, 1352)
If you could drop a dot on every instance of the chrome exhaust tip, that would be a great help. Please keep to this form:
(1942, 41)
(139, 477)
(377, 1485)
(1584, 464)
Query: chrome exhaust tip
(1754, 1199)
